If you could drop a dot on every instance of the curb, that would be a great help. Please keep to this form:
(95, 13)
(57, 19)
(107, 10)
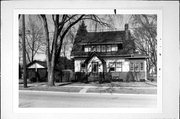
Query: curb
(77, 93)
(151, 83)
(113, 87)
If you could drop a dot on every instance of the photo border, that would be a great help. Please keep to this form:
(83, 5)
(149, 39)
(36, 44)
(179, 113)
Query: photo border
(16, 108)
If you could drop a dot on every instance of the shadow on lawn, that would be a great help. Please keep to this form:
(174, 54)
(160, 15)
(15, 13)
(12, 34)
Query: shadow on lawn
(64, 84)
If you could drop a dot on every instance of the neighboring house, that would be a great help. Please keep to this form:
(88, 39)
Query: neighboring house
(109, 51)
(37, 71)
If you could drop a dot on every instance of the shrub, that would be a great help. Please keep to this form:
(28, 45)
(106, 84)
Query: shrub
(142, 80)
(81, 77)
(107, 77)
(130, 77)
(33, 79)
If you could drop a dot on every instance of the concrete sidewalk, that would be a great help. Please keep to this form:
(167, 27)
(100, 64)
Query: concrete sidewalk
(84, 88)
(111, 87)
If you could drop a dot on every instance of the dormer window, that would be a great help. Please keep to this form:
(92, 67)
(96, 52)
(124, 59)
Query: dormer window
(114, 48)
(98, 48)
(101, 48)
(86, 49)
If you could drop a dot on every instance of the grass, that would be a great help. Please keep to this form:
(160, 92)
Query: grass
(115, 84)
(55, 88)
(122, 90)
(113, 87)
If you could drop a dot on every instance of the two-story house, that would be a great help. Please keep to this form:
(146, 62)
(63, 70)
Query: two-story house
(109, 51)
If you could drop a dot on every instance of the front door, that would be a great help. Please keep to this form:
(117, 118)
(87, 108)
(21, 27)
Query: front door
(94, 67)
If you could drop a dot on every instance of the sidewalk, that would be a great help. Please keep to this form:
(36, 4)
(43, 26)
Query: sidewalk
(99, 89)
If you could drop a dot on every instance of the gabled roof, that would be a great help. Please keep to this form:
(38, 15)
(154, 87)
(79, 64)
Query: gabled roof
(107, 37)
(91, 55)
(41, 64)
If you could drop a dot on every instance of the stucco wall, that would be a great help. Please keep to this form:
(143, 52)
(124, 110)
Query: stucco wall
(77, 65)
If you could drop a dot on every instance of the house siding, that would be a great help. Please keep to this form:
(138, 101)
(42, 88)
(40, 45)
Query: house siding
(77, 65)
(125, 74)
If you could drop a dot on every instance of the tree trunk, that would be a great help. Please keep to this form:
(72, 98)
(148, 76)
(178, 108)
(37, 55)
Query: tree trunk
(24, 52)
(50, 77)
(50, 69)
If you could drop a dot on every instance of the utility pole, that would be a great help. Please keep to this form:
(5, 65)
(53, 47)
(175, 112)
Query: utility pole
(24, 52)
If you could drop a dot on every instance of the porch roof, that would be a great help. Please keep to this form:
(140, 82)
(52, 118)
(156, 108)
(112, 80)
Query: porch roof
(91, 55)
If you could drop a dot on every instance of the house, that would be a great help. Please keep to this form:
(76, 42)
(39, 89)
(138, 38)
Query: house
(37, 71)
(109, 52)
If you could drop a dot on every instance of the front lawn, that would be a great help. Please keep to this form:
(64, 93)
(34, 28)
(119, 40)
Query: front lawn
(122, 90)
(116, 84)
(54, 88)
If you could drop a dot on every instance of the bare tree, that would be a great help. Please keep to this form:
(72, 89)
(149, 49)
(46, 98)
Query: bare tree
(62, 25)
(145, 32)
(34, 38)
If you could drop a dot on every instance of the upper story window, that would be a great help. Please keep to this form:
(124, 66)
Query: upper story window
(101, 48)
(87, 49)
(109, 48)
(114, 48)
(98, 48)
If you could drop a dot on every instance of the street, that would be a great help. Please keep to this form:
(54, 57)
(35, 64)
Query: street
(46, 99)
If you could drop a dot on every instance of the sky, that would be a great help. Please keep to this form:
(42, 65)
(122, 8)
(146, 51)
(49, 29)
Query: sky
(117, 21)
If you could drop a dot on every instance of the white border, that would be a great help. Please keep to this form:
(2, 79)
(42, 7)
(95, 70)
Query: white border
(85, 110)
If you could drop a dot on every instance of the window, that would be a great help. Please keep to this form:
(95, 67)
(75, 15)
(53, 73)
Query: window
(98, 48)
(119, 66)
(86, 49)
(111, 69)
(108, 48)
(142, 66)
(115, 66)
(93, 48)
(114, 48)
(103, 48)
(131, 66)
(136, 67)
(89, 48)
(111, 66)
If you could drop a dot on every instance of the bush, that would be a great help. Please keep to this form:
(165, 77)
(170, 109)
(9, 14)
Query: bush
(33, 79)
(107, 77)
(130, 77)
(81, 77)
(142, 80)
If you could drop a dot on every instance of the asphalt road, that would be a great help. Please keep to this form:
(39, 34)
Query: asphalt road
(70, 100)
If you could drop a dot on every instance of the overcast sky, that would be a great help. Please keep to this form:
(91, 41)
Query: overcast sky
(117, 22)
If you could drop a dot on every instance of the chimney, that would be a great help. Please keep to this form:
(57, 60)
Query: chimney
(127, 32)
